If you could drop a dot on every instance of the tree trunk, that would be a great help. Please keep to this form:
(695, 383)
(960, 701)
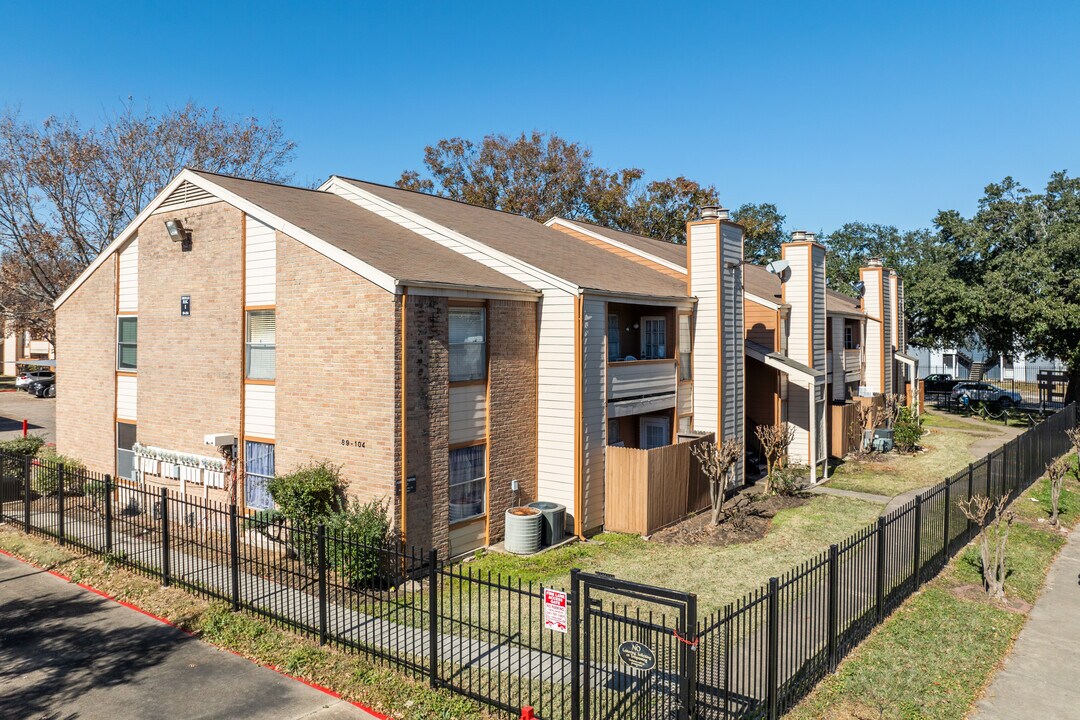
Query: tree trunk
(1072, 388)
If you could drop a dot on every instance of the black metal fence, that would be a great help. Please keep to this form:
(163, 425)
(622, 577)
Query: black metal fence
(483, 635)
(1028, 386)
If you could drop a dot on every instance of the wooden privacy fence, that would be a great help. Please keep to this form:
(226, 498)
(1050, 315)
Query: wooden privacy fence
(648, 489)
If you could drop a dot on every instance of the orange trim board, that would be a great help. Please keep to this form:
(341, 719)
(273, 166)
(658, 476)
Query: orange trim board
(166, 621)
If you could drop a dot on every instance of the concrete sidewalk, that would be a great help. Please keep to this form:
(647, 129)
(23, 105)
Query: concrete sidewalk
(1041, 676)
(66, 652)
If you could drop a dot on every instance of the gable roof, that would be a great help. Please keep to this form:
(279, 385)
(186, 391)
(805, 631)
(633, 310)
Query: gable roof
(541, 247)
(759, 281)
(674, 253)
(840, 304)
(371, 246)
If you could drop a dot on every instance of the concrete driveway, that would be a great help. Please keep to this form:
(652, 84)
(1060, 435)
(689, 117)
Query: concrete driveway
(68, 653)
(41, 412)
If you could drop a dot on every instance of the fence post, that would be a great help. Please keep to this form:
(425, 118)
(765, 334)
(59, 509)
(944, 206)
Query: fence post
(728, 618)
(880, 589)
(26, 493)
(165, 564)
(433, 617)
(575, 646)
(970, 494)
(916, 564)
(60, 503)
(948, 512)
(320, 538)
(690, 652)
(108, 514)
(234, 556)
(772, 678)
(834, 606)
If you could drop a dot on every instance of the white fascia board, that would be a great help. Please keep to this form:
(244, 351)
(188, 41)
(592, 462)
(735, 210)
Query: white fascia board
(676, 301)
(761, 301)
(615, 243)
(423, 221)
(121, 239)
(339, 256)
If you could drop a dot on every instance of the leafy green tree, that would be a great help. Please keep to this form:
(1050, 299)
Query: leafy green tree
(541, 175)
(765, 232)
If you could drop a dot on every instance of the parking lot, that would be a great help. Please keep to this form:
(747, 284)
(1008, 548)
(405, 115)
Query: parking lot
(17, 406)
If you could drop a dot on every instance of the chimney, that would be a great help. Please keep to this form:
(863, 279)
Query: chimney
(878, 344)
(804, 293)
(715, 278)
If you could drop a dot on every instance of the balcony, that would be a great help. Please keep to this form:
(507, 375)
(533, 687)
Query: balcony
(640, 378)
(853, 361)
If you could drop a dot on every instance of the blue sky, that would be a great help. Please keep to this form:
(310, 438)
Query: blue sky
(881, 112)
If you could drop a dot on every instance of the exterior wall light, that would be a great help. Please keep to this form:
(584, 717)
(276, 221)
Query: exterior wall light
(179, 234)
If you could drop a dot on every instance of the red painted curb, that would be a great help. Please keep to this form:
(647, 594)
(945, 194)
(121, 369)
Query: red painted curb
(171, 624)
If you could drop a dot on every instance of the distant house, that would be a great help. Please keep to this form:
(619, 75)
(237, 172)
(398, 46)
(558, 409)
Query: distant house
(18, 350)
(453, 360)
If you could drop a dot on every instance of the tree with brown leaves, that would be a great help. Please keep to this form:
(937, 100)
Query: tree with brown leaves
(718, 462)
(775, 441)
(994, 521)
(67, 190)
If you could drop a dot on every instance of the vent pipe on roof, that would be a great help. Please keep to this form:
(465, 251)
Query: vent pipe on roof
(802, 236)
(876, 262)
(713, 212)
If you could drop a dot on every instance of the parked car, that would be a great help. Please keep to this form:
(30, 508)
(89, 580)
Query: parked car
(45, 387)
(940, 383)
(24, 379)
(985, 392)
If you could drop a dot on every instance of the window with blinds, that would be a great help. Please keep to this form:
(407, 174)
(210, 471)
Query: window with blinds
(468, 344)
(127, 339)
(685, 347)
(468, 482)
(261, 332)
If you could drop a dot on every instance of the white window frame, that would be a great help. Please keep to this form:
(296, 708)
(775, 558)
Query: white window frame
(464, 345)
(248, 344)
(686, 369)
(653, 421)
(645, 341)
(481, 480)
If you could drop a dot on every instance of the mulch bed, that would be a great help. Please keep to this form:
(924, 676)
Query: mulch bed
(975, 593)
(752, 524)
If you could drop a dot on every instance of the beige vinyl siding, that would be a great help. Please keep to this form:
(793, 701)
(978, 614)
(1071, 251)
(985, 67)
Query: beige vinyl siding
(887, 346)
(872, 377)
(704, 251)
(127, 291)
(798, 407)
(260, 263)
(555, 400)
(468, 413)
(734, 358)
(594, 411)
(127, 395)
(467, 536)
(260, 403)
(818, 320)
(797, 295)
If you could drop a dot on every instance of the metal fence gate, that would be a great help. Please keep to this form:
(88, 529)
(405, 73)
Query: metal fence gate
(636, 649)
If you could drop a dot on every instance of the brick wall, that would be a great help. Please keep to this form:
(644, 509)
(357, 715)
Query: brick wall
(427, 367)
(190, 367)
(336, 374)
(85, 381)
(512, 407)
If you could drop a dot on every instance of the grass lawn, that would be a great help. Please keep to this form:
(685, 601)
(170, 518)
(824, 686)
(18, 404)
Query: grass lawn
(718, 575)
(933, 656)
(948, 444)
(349, 674)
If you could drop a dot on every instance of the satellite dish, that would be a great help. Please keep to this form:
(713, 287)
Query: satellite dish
(779, 268)
(860, 288)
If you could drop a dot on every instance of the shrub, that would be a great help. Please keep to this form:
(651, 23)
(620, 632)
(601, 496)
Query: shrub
(29, 445)
(357, 540)
(787, 478)
(308, 495)
(907, 430)
(45, 477)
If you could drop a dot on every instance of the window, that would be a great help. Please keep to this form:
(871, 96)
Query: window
(125, 456)
(685, 348)
(468, 482)
(614, 432)
(849, 338)
(258, 472)
(127, 337)
(653, 338)
(655, 432)
(686, 424)
(468, 344)
(261, 332)
(613, 350)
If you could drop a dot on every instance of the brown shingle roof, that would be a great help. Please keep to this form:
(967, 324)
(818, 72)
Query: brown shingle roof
(381, 243)
(549, 250)
(838, 302)
(759, 281)
(672, 252)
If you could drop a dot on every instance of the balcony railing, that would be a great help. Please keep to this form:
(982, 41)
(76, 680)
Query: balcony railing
(852, 360)
(640, 378)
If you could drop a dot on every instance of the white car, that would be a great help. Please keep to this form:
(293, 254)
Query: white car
(985, 392)
(24, 379)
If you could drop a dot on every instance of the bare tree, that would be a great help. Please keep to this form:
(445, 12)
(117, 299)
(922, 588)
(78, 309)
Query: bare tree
(994, 521)
(891, 410)
(66, 191)
(775, 441)
(1074, 437)
(718, 462)
(1055, 473)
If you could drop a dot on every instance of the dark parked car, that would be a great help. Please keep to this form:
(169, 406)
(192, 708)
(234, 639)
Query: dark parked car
(26, 379)
(940, 383)
(46, 387)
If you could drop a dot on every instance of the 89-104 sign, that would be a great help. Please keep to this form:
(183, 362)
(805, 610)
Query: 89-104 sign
(354, 443)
